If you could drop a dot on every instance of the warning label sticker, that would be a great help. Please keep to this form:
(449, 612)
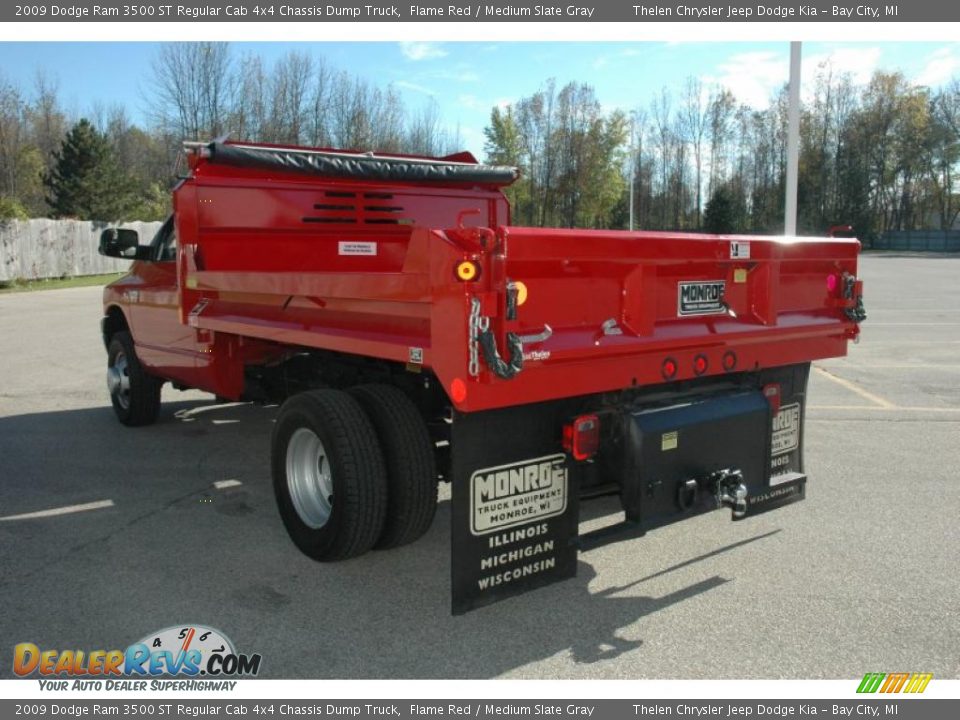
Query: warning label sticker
(786, 430)
(518, 493)
(739, 249)
(354, 247)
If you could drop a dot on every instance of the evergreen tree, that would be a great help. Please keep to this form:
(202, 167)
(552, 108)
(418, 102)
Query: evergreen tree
(86, 182)
(718, 218)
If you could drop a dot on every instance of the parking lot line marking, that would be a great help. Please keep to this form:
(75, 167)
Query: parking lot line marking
(902, 366)
(898, 408)
(52, 512)
(911, 310)
(853, 387)
(845, 407)
(223, 484)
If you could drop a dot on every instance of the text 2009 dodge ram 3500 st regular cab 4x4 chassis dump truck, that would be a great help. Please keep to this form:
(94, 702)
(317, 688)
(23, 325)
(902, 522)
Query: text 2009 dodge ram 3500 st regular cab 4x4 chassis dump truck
(413, 335)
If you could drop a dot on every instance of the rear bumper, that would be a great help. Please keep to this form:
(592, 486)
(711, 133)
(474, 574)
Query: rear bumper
(691, 458)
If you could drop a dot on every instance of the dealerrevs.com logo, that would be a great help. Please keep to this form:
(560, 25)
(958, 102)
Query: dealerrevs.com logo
(181, 651)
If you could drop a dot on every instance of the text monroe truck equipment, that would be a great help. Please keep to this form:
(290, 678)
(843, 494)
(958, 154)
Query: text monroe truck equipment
(413, 335)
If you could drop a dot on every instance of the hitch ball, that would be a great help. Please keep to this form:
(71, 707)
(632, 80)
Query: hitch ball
(730, 490)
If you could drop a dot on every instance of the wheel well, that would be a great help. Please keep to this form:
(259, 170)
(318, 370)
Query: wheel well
(113, 322)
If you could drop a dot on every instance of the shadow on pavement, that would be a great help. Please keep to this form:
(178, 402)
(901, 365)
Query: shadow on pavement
(175, 550)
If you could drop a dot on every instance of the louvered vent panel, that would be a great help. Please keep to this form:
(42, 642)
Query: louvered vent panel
(353, 208)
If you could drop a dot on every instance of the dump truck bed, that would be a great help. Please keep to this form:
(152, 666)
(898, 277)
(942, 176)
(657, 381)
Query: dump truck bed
(367, 263)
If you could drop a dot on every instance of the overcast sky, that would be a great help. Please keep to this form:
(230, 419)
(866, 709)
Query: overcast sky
(467, 78)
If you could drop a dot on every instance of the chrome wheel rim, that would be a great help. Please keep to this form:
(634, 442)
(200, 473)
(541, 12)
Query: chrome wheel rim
(309, 479)
(118, 380)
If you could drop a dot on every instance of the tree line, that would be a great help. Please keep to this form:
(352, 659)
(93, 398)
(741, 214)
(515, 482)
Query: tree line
(104, 166)
(883, 155)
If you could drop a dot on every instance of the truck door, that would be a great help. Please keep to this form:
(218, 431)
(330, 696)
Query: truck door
(163, 342)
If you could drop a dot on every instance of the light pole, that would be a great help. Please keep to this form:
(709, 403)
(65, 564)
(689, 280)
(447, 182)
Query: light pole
(633, 165)
(793, 142)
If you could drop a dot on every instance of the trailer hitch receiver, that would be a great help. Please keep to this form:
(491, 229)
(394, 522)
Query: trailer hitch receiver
(730, 490)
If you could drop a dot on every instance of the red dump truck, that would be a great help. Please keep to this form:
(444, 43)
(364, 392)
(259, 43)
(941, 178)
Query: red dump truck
(411, 335)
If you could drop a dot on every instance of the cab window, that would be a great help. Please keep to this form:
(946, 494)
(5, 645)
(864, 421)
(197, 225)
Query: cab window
(165, 242)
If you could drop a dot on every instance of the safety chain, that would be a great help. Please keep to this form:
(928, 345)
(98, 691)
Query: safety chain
(857, 313)
(482, 340)
(476, 325)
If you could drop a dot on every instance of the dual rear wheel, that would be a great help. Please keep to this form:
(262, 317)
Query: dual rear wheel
(353, 470)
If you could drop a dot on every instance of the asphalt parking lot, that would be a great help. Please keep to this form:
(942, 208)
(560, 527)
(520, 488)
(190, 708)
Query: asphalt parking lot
(862, 576)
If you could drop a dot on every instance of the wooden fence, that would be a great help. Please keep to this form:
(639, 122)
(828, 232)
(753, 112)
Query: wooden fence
(37, 249)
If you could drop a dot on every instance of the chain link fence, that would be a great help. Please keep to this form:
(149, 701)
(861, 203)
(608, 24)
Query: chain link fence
(917, 241)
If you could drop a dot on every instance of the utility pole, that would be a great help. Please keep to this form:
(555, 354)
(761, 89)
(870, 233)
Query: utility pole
(633, 167)
(793, 142)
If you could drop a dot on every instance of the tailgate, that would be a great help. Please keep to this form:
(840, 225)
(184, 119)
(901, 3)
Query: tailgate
(604, 310)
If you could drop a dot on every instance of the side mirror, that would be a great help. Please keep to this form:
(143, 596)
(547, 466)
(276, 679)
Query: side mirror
(122, 243)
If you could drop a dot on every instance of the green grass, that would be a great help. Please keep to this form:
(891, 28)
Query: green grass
(12, 286)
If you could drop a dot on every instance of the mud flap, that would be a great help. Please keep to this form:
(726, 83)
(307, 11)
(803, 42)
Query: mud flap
(784, 489)
(514, 509)
(787, 481)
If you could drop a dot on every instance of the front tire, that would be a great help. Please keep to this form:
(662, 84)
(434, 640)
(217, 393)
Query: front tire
(328, 475)
(134, 393)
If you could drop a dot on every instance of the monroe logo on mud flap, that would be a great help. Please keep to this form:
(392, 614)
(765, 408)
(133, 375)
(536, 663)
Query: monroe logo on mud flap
(786, 430)
(518, 493)
(700, 298)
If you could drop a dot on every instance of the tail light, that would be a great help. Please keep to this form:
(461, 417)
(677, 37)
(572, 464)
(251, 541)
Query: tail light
(581, 438)
(833, 283)
(772, 393)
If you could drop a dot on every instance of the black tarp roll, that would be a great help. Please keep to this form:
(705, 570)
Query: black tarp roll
(372, 167)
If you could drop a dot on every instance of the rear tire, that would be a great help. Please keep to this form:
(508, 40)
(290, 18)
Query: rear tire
(328, 475)
(134, 393)
(411, 465)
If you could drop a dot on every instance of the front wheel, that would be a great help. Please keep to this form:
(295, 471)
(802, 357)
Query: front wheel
(328, 475)
(134, 393)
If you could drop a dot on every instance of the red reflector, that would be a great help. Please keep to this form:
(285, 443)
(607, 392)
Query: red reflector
(833, 282)
(729, 360)
(581, 438)
(669, 368)
(458, 390)
(700, 364)
(772, 393)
